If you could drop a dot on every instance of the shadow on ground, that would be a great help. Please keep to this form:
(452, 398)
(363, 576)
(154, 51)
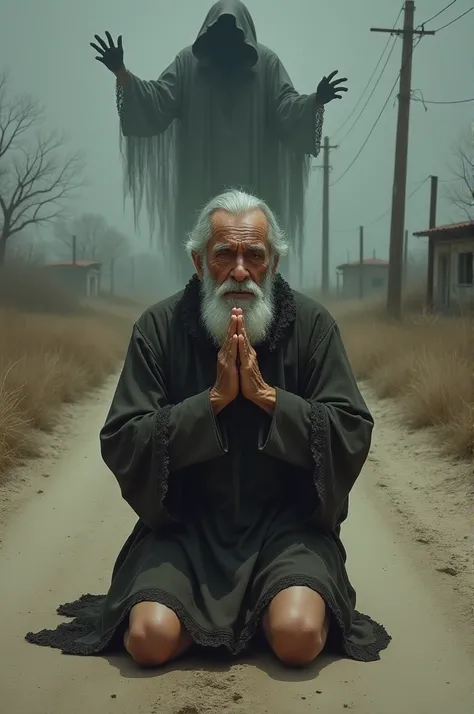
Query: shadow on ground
(221, 662)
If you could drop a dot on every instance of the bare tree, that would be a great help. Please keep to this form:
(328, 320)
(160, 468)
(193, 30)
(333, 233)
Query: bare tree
(87, 233)
(462, 194)
(36, 178)
(117, 245)
(94, 239)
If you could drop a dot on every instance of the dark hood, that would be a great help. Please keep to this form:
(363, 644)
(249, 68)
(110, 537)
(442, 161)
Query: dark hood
(243, 21)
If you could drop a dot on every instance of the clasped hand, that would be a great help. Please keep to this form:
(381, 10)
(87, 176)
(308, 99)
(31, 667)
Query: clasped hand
(237, 369)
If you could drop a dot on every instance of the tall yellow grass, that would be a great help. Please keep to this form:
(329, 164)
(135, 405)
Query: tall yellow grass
(45, 361)
(425, 361)
(52, 351)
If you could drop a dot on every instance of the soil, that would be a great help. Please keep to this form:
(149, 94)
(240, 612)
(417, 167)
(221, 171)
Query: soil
(409, 539)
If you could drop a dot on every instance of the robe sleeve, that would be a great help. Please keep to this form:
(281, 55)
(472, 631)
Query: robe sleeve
(147, 108)
(298, 119)
(145, 439)
(326, 430)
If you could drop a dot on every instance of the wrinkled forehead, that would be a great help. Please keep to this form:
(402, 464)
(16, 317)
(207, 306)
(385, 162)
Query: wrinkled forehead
(250, 227)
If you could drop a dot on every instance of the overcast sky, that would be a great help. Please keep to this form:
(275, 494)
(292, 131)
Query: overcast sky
(45, 46)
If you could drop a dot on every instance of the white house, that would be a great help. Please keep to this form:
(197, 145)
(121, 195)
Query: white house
(450, 265)
(81, 276)
(362, 279)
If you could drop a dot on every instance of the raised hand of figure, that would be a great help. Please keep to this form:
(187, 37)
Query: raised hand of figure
(110, 55)
(252, 384)
(226, 387)
(330, 88)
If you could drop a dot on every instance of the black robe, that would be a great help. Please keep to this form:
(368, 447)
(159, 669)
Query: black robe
(236, 508)
(198, 130)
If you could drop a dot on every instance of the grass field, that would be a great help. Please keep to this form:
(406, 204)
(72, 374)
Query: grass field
(426, 361)
(52, 351)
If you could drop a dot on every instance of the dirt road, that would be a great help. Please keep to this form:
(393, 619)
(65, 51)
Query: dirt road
(61, 534)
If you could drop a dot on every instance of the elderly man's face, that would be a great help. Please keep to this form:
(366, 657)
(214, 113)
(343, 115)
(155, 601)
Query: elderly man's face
(239, 248)
(237, 271)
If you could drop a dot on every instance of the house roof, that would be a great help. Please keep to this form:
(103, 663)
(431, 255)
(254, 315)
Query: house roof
(452, 230)
(77, 264)
(371, 262)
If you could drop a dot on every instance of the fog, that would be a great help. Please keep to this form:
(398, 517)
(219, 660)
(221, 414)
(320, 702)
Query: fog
(45, 47)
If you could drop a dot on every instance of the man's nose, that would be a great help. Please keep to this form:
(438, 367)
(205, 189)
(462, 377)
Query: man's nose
(240, 272)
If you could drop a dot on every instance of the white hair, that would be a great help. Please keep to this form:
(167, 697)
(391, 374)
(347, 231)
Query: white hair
(237, 203)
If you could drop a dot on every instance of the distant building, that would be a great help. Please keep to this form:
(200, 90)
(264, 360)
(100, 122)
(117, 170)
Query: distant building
(451, 265)
(81, 277)
(369, 278)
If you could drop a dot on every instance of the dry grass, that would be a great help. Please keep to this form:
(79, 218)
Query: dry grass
(426, 361)
(45, 361)
(30, 289)
(49, 359)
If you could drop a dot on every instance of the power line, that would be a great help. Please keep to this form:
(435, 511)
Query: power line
(370, 78)
(415, 191)
(418, 187)
(385, 213)
(419, 184)
(371, 94)
(427, 101)
(455, 20)
(368, 137)
(415, 45)
(438, 14)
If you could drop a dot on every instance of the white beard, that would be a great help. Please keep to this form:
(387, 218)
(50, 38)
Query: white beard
(216, 308)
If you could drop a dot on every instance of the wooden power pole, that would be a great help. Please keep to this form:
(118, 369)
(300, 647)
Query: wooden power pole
(395, 272)
(132, 274)
(112, 276)
(361, 262)
(325, 237)
(405, 258)
(432, 224)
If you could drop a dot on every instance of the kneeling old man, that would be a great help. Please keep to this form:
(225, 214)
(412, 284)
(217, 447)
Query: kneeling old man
(236, 433)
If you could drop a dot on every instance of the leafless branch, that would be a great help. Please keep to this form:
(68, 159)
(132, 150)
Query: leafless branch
(95, 240)
(17, 116)
(462, 194)
(117, 245)
(37, 177)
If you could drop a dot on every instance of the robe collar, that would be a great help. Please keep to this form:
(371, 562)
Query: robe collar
(285, 312)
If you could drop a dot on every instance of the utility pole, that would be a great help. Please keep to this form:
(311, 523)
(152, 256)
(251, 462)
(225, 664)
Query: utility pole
(432, 224)
(361, 263)
(395, 271)
(325, 241)
(405, 258)
(132, 273)
(112, 276)
(74, 250)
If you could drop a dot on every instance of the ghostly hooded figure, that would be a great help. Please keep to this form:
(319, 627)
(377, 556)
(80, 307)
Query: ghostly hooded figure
(223, 114)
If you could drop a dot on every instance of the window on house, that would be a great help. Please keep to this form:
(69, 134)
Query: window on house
(465, 268)
(377, 282)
